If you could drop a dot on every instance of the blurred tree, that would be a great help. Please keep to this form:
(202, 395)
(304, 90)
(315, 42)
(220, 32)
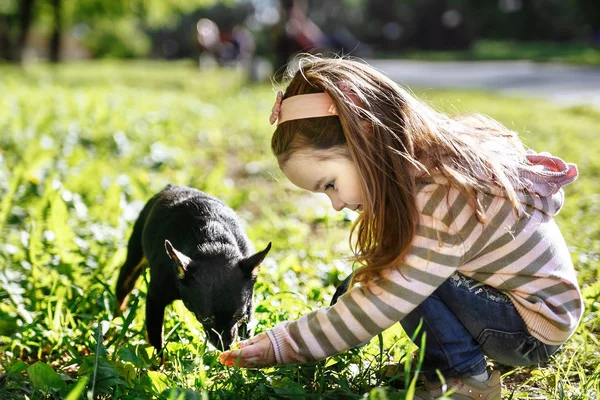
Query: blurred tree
(17, 17)
(547, 20)
(166, 28)
(591, 15)
(55, 39)
(384, 22)
(15, 23)
(454, 24)
(441, 25)
(420, 24)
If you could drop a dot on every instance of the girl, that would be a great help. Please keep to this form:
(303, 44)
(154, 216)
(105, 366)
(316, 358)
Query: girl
(455, 229)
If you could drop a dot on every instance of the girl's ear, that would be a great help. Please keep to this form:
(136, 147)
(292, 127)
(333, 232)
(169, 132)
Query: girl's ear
(251, 264)
(181, 260)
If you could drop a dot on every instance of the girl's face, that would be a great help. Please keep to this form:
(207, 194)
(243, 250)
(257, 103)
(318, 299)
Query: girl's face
(331, 173)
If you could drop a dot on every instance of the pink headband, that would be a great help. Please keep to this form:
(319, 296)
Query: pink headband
(311, 105)
(302, 106)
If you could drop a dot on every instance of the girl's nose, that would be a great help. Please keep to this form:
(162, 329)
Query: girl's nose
(337, 204)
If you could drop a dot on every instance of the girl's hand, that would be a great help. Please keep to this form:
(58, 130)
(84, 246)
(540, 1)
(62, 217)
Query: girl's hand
(254, 352)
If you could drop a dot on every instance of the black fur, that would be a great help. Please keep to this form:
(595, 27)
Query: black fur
(197, 251)
(341, 289)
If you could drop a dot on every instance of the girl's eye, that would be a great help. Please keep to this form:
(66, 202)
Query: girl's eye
(330, 185)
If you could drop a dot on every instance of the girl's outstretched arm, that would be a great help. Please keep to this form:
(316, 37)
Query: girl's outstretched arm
(363, 312)
(254, 352)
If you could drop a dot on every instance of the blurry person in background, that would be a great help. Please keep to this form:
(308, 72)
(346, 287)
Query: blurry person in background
(295, 33)
(208, 36)
(236, 47)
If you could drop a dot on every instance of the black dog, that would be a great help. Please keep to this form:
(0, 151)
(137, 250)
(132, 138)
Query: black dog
(198, 252)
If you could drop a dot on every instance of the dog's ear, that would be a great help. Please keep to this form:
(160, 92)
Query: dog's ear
(181, 260)
(250, 265)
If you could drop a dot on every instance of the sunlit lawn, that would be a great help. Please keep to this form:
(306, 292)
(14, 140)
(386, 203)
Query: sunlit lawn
(82, 147)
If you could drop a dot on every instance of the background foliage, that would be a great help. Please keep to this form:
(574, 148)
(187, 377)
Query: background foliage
(167, 28)
(82, 147)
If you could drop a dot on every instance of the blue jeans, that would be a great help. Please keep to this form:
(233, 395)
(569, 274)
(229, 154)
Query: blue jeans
(466, 320)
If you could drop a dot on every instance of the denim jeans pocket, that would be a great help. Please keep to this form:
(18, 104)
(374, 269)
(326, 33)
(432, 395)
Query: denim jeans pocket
(512, 348)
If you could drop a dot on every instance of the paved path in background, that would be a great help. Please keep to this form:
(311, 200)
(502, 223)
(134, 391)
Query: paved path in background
(561, 84)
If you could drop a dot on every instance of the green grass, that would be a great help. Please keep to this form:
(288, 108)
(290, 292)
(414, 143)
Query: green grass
(83, 146)
(578, 53)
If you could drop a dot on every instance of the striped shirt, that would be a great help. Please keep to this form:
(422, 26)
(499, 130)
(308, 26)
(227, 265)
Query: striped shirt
(522, 254)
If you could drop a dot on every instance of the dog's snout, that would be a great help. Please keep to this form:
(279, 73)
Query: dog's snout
(223, 339)
(224, 344)
(244, 331)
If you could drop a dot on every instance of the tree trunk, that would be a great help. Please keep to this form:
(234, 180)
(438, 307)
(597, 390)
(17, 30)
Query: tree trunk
(25, 18)
(5, 42)
(55, 40)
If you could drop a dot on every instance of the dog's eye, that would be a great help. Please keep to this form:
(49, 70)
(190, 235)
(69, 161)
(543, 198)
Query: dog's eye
(206, 320)
(238, 317)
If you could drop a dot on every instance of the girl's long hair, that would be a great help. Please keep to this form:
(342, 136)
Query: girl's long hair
(393, 138)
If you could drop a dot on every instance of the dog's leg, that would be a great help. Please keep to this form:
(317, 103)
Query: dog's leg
(131, 269)
(155, 315)
(135, 261)
(127, 278)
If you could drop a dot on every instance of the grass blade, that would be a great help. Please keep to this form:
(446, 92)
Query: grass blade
(96, 360)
